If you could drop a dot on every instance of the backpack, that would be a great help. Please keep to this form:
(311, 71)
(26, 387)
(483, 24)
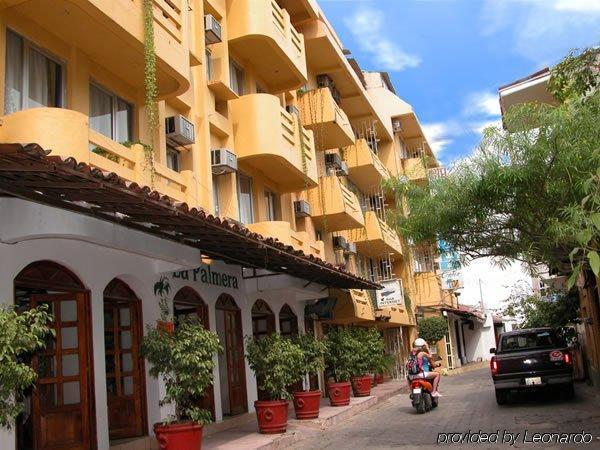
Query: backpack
(412, 365)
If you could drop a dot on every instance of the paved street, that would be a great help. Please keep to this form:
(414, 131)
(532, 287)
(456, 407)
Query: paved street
(468, 404)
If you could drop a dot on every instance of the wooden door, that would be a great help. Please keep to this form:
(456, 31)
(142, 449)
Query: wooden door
(61, 399)
(236, 368)
(199, 312)
(124, 371)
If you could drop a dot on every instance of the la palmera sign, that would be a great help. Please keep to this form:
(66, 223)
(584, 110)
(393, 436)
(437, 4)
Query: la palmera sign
(206, 275)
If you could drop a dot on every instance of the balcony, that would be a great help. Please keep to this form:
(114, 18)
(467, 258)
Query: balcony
(329, 123)
(272, 140)
(414, 169)
(334, 207)
(260, 31)
(377, 238)
(366, 169)
(111, 34)
(67, 134)
(283, 232)
(352, 306)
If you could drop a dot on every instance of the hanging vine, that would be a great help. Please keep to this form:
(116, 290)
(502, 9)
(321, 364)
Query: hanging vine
(150, 84)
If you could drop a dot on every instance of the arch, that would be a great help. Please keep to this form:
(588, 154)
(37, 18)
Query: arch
(288, 321)
(125, 374)
(261, 307)
(46, 274)
(226, 302)
(263, 319)
(188, 303)
(188, 295)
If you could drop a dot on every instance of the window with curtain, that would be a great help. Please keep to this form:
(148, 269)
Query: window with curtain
(32, 78)
(209, 65)
(272, 205)
(173, 159)
(216, 199)
(110, 115)
(236, 78)
(245, 198)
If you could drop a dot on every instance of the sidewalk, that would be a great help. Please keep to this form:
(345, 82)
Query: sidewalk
(244, 434)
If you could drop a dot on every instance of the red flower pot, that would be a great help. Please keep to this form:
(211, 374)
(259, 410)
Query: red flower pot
(272, 416)
(179, 436)
(339, 393)
(169, 327)
(306, 404)
(361, 386)
(379, 378)
(373, 381)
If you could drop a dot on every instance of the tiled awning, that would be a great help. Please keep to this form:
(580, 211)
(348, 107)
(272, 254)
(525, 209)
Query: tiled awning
(466, 313)
(28, 172)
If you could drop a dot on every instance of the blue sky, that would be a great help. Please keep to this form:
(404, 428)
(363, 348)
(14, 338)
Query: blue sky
(448, 57)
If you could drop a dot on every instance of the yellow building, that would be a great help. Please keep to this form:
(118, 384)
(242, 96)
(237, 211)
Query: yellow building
(263, 121)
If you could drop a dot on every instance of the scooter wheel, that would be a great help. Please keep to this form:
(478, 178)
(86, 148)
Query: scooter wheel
(421, 406)
(428, 402)
(434, 402)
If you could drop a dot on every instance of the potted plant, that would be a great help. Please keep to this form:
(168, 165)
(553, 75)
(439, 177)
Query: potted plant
(366, 355)
(341, 359)
(385, 365)
(277, 364)
(22, 334)
(184, 360)
(307, 403)
(162, 288)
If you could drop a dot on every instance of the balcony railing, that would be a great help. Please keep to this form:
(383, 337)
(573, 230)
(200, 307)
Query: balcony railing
(334, 207)
(321, 114)
(366, 169)
(266, 135)
(377, 238)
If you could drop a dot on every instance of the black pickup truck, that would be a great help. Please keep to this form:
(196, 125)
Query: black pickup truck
(530, 359)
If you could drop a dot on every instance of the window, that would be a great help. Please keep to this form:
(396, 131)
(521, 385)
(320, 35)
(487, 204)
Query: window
(236, 77)
(173, 159)
(272, 205)
(216, 201)
(209, 65)
(260, 89)
(245, 198)
(32, 78)
(110, 115)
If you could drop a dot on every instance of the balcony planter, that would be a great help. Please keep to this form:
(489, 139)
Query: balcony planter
(179, 436)
(361, 386)
(339, 393)
(272, 415)
(307, 404)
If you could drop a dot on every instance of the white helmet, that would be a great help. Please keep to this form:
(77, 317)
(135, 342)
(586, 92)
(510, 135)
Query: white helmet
(419, 342)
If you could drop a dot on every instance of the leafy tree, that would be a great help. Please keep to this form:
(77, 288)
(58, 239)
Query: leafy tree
(22, 334)
(432, 329)
(184, 360)
(342, 354)
(370, 350)
(277, 363)
(313, 353)
(532, 194)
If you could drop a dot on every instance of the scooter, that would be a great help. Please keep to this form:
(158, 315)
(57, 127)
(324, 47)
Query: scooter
(420, 394)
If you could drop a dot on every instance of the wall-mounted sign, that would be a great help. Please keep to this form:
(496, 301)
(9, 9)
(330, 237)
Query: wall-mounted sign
(205, 274)
(392, 294)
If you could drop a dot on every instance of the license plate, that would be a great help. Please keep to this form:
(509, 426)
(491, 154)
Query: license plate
(533, 381)
(417, 391)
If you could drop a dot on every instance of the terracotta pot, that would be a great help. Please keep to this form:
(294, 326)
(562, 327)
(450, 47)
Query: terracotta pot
(306, 404)
(373, 381)
(272, 416)
(169, 327)
(179, 436)
(361, 386)
(379, 378)
(339, 393)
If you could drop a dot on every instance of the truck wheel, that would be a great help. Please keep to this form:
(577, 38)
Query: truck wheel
(501, 396)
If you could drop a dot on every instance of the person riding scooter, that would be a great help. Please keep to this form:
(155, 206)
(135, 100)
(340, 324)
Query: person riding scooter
(425, 362)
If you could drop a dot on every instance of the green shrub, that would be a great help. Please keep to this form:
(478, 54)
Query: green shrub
(313, 353)
(22, 334)
(184, 359)
(432, 329)
(277, 362)
(342, 354)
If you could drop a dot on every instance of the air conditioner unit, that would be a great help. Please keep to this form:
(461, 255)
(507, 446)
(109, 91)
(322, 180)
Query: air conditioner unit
(302, 208)
(339, 242)
(212, 29)
(324, 80)
(223, 161)
(397, 125)
(292, 110)
(333, 161)
(180, 130)
(351, 248)
(343, 170)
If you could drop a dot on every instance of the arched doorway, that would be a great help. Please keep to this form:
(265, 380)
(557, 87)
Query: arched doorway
(288, 321)
(188, 303)
(263, 319)
(232, 366)
(61, 402)
(125, 381)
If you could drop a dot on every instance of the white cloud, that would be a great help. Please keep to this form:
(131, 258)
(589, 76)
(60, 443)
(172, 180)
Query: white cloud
(441, 134)
(478, 127)
(482, 103)
(367, 26)
(543, 30)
